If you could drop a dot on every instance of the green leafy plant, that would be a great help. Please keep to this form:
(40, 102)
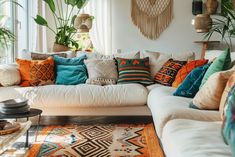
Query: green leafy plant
(224, 24)
(6, 36)
(64, 20)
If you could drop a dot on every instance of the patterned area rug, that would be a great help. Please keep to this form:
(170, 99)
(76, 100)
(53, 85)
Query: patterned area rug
(97, 141)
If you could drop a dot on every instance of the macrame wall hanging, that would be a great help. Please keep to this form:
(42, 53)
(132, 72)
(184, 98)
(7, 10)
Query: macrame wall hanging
(152, 17)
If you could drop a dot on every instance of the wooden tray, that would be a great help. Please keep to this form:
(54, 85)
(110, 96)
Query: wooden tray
(16, 127)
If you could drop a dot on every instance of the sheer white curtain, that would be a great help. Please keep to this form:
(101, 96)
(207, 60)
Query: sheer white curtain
(101, 32)
(39, 32)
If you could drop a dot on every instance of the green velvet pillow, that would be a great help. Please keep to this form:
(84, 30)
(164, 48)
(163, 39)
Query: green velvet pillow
(223, 62)
(70, 71)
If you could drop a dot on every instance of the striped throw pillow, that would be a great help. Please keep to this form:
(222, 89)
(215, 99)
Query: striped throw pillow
(134, 71)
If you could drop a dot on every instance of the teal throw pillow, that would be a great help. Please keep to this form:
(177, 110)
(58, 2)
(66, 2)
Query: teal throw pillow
(223, 62)
(190, 86)
(228, 128)
(70, 71)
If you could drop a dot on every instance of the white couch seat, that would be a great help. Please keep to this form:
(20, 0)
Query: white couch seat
(79, 96)
(189, 138)
(165, 107)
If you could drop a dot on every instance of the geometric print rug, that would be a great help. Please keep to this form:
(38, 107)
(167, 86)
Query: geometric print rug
(117, 140)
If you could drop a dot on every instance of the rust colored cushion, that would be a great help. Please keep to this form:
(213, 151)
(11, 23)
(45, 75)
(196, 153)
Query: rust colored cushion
(168, 72)
(186, 69)
(36, 73)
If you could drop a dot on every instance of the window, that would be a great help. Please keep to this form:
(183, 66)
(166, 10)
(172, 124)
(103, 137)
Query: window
(7, 21)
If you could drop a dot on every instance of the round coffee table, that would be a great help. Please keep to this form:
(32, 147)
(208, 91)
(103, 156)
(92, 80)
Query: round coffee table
(32, 113)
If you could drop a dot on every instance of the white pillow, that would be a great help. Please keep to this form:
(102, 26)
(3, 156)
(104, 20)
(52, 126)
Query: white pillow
(9, 75)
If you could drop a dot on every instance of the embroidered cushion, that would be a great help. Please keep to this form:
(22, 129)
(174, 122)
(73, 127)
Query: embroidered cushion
(229, 85)
(209, 96)
(186, 69)
(228, 128)
(168, 72)
(32, 72)
(190, 86)
(134, 71)
(70, 71)
(223, 62)
(101, 72)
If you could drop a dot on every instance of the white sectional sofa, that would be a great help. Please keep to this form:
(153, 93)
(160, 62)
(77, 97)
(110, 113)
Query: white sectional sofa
(184, 132)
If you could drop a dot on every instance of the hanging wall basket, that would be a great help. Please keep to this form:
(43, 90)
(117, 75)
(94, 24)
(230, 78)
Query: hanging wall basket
(152, 17)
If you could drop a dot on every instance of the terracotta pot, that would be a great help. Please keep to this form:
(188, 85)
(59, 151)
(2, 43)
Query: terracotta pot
(203, 23)
(212, 6)
(59, 48)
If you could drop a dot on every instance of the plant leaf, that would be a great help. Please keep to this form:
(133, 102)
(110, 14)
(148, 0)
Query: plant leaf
(40, 20)
(51, 5)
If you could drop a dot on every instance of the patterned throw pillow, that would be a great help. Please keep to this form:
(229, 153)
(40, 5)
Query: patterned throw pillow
(134, 71)
(168, 72)
(42, 73)
(186, 69)
(228, 128)
(36, 72)
(101, 72)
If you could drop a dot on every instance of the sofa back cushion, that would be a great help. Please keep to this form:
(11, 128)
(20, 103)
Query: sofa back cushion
(223, 62)
(70, 71)
(101, 72)
(209, 96)
(190, 86)
(134, 71)
(168, 72)
(186, 69)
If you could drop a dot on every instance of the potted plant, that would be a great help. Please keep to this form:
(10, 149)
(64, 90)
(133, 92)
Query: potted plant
(64, 22)
(224, 24)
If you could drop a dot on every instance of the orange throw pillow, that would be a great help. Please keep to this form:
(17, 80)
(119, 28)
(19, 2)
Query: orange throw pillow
(186, 69)
(35, 73)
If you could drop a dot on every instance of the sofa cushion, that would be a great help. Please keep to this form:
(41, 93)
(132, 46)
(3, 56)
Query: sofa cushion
(189, 138)
(79, 95)
(9, 75)
(134, 71)
(101, 72)
(186, 69)
(165, 107)
(70, 71)
(168, 72)
(191, 84)
(209, 96)
(223, 62)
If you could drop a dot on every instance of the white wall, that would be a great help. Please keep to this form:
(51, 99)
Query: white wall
(178, 37)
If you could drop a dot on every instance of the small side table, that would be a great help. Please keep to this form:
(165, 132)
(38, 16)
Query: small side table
(32, 113)
(205, 45)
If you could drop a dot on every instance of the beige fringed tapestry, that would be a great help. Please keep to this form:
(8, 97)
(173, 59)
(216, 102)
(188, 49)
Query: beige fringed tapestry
(152, 17)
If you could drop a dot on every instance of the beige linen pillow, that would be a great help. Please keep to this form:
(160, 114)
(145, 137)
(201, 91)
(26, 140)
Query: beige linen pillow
(9, 75)
(209, 96)
(101, 72)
